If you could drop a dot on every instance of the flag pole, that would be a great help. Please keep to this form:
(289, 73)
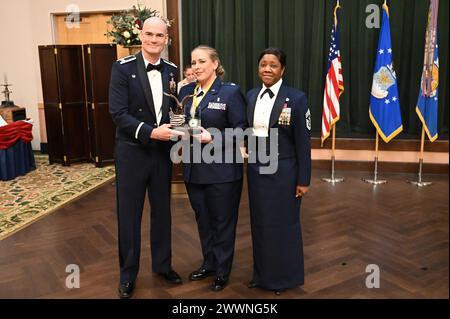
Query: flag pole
(333, 179)
(419, 182)
(375, 180)
(333, 142)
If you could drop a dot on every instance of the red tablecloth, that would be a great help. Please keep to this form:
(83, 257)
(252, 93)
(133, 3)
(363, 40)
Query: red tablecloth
(11, 133)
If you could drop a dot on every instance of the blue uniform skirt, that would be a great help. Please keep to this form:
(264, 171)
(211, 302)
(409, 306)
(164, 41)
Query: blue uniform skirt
(275, 223)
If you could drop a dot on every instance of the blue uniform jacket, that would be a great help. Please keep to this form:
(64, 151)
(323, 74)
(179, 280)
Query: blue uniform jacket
(230, 114)
(131, 100)
(293, 138)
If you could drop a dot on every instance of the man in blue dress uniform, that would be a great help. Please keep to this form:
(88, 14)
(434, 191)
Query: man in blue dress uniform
(140, 112)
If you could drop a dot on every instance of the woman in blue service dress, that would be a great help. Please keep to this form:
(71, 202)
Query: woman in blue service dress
(214, 189)
(275, 198)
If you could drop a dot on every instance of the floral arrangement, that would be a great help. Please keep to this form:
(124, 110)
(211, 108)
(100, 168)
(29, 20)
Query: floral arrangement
(127, 25)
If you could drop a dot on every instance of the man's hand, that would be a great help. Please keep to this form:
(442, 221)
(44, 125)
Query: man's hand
(301, 190)
(164, 133)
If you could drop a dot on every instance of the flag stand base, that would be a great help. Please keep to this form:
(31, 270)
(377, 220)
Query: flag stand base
(420, 184)
(332, 179)
(374, 181)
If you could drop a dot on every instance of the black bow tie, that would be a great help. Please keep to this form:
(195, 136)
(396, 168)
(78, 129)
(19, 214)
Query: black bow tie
(151, 67)
(268, 91)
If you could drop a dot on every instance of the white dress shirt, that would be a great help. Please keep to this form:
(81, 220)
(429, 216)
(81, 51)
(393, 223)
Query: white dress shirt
(155, 79)
(263, 109)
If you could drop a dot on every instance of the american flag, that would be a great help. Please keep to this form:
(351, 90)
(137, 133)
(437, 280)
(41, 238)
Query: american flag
(334, 83)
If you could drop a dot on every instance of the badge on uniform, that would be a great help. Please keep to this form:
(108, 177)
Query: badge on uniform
(308, 120)
(285, 116)
(172, 84)
(217, 106)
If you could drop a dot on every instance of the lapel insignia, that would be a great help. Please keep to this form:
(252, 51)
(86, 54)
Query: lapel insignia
(133, 76)
(172, 84)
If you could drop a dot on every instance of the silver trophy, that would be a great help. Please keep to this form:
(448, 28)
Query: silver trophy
(7, 92)
(178, 116)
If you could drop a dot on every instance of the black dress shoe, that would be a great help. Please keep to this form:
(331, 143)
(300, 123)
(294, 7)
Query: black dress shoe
(200, 274)
(126, 290)
(219, 283)
(172, 277)
(252, 284)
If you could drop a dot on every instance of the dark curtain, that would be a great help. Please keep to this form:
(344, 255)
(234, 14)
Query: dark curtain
(241, 29)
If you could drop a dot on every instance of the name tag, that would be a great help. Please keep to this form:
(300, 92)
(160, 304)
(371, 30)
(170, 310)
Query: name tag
(217, 106)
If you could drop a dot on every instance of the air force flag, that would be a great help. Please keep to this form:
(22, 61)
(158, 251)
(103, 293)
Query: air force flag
(427, 103)
(384, 108)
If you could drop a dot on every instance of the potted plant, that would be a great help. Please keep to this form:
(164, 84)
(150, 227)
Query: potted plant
(124, 28)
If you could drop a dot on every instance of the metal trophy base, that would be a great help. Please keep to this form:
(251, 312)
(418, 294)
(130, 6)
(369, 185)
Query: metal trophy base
(420, 184)
(186, 128)
(178, 122)
(374, 181)
(332, 179)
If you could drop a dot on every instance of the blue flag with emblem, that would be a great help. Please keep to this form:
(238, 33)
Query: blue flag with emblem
(427, 103)
(384, 110)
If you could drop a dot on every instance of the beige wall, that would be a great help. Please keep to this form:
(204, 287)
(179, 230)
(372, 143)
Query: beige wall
(25, 24)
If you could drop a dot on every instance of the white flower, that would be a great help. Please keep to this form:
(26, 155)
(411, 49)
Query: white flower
(126, 34)
(136, 31)
(128, 41)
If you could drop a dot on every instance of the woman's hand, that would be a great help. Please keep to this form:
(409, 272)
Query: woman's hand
(204, 136)
(301, 190)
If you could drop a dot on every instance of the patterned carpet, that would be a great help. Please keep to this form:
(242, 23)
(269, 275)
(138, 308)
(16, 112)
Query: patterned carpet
(38, 193)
